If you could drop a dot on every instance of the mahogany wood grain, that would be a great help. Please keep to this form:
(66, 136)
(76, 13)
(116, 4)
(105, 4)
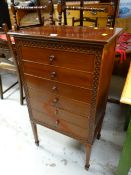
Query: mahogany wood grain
(67, 96)
(60, 123)
(69, 76)
(56, 113)
(106, 71)
(59, 58)
(69, 91)
(78, 35)
(73, 106)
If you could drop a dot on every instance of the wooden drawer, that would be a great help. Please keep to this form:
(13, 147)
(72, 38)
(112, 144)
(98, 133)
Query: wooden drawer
(64, 103)
(56, 114)
(68, 76)
(60, 125)
(73, 60)
(60, 89)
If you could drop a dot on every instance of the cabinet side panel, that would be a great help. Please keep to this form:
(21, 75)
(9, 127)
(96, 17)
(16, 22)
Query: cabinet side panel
(105, 78)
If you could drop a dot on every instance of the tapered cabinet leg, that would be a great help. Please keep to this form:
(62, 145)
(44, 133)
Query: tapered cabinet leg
(88, 152)
(99, 130)
(100, 127)
(98, 135)
(34, 128)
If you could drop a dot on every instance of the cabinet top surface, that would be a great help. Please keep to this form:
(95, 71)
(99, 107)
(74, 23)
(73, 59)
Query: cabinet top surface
(90, 34)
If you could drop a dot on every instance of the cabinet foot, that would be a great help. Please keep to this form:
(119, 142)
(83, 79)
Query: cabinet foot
(87, 167)
(98, 136)
(88, 151)
(37, 143)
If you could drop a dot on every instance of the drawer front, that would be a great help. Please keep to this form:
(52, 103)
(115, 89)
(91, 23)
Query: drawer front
(68, 76)
(57, 114)
(60, 125)
(64, 103)
(60, 58)
(57, 88)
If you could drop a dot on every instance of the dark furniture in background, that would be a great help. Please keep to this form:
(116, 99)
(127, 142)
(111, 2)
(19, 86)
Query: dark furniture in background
(65, 12)
(70, 69)
(8, 62)
(92, 11)
(45, 6)
(4, 14)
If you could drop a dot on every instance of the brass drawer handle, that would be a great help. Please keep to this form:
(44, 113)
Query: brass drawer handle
(56, 112)
(55, 100)
(54, 88)
(57, 122)
(51, 59)
(53, 74)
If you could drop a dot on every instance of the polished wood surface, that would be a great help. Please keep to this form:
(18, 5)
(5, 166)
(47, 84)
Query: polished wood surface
(58, 58)
(59, 114)
(61, 102)
(68, 76)
(62, 89)
(66, 73)
(70, 33)
(60, 125)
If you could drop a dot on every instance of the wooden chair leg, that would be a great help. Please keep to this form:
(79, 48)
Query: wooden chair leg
(34, 128)
(88, 151)
(1, 88)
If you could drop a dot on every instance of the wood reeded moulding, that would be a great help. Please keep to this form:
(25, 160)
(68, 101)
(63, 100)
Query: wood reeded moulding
(66, 73)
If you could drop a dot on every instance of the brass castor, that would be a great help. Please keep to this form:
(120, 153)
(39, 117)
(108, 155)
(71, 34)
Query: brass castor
(37, 143)
(87, 167)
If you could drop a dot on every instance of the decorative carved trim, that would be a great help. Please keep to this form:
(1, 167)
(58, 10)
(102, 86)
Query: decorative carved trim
(85, 48)
(20, 64)
(96, 76)
(71, 47)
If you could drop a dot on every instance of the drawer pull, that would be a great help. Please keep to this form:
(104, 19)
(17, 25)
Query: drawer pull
(56, 112)
(53, 74)
(57, 122)
(55, 100)
(54, 88)
(51, 59)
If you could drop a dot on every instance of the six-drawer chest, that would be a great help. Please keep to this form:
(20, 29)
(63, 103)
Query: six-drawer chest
(66, 73)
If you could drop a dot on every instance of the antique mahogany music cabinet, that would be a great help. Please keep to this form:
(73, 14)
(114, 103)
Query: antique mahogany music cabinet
(66, 73)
